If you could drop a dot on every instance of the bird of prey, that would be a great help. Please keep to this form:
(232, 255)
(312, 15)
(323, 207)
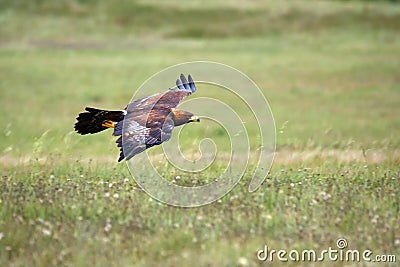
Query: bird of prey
(144, 123)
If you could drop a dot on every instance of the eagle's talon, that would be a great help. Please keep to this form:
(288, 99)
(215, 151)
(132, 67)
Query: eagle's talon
(108, 124)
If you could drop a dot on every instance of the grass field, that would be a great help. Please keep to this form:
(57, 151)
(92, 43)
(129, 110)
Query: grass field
(329, 69)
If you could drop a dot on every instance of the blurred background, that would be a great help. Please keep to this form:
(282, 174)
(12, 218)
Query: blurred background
(329, 69)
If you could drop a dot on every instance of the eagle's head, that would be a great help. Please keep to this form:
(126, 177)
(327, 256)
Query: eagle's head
(181, 117)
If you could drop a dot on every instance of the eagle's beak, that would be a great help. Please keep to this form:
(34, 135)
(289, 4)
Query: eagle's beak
(194, 119)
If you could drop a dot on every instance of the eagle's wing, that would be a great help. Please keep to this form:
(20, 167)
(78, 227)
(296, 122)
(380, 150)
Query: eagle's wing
(138, 138)
(166, 100)
(183, 89)
(148, 121)
(134, 140)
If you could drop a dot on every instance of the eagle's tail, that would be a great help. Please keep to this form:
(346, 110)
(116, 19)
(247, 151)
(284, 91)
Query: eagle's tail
(97, 120)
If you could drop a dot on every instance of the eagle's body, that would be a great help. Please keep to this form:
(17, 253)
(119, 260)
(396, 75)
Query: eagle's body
(144, 123)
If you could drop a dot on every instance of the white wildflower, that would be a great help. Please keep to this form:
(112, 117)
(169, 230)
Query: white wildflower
(46, 232)
(242, 261)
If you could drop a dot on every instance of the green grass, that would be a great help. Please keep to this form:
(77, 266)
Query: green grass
(81, 213)
(329, 70)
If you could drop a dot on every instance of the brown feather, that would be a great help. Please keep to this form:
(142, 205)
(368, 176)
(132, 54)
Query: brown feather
(148, 121)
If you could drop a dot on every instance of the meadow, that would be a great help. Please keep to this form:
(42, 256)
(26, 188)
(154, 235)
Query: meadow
(330, 72)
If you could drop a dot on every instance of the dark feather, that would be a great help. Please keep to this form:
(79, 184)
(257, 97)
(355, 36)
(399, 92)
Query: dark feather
(91, 121)
(147, 121)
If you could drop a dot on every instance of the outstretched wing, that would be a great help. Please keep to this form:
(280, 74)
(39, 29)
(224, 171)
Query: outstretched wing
(137, 138)
(148, 121)
(166, 100)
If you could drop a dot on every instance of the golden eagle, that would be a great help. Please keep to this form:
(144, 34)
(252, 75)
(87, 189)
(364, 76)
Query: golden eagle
(144, 123)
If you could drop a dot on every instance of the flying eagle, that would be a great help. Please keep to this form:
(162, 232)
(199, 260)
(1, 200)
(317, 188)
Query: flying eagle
(144, 123)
